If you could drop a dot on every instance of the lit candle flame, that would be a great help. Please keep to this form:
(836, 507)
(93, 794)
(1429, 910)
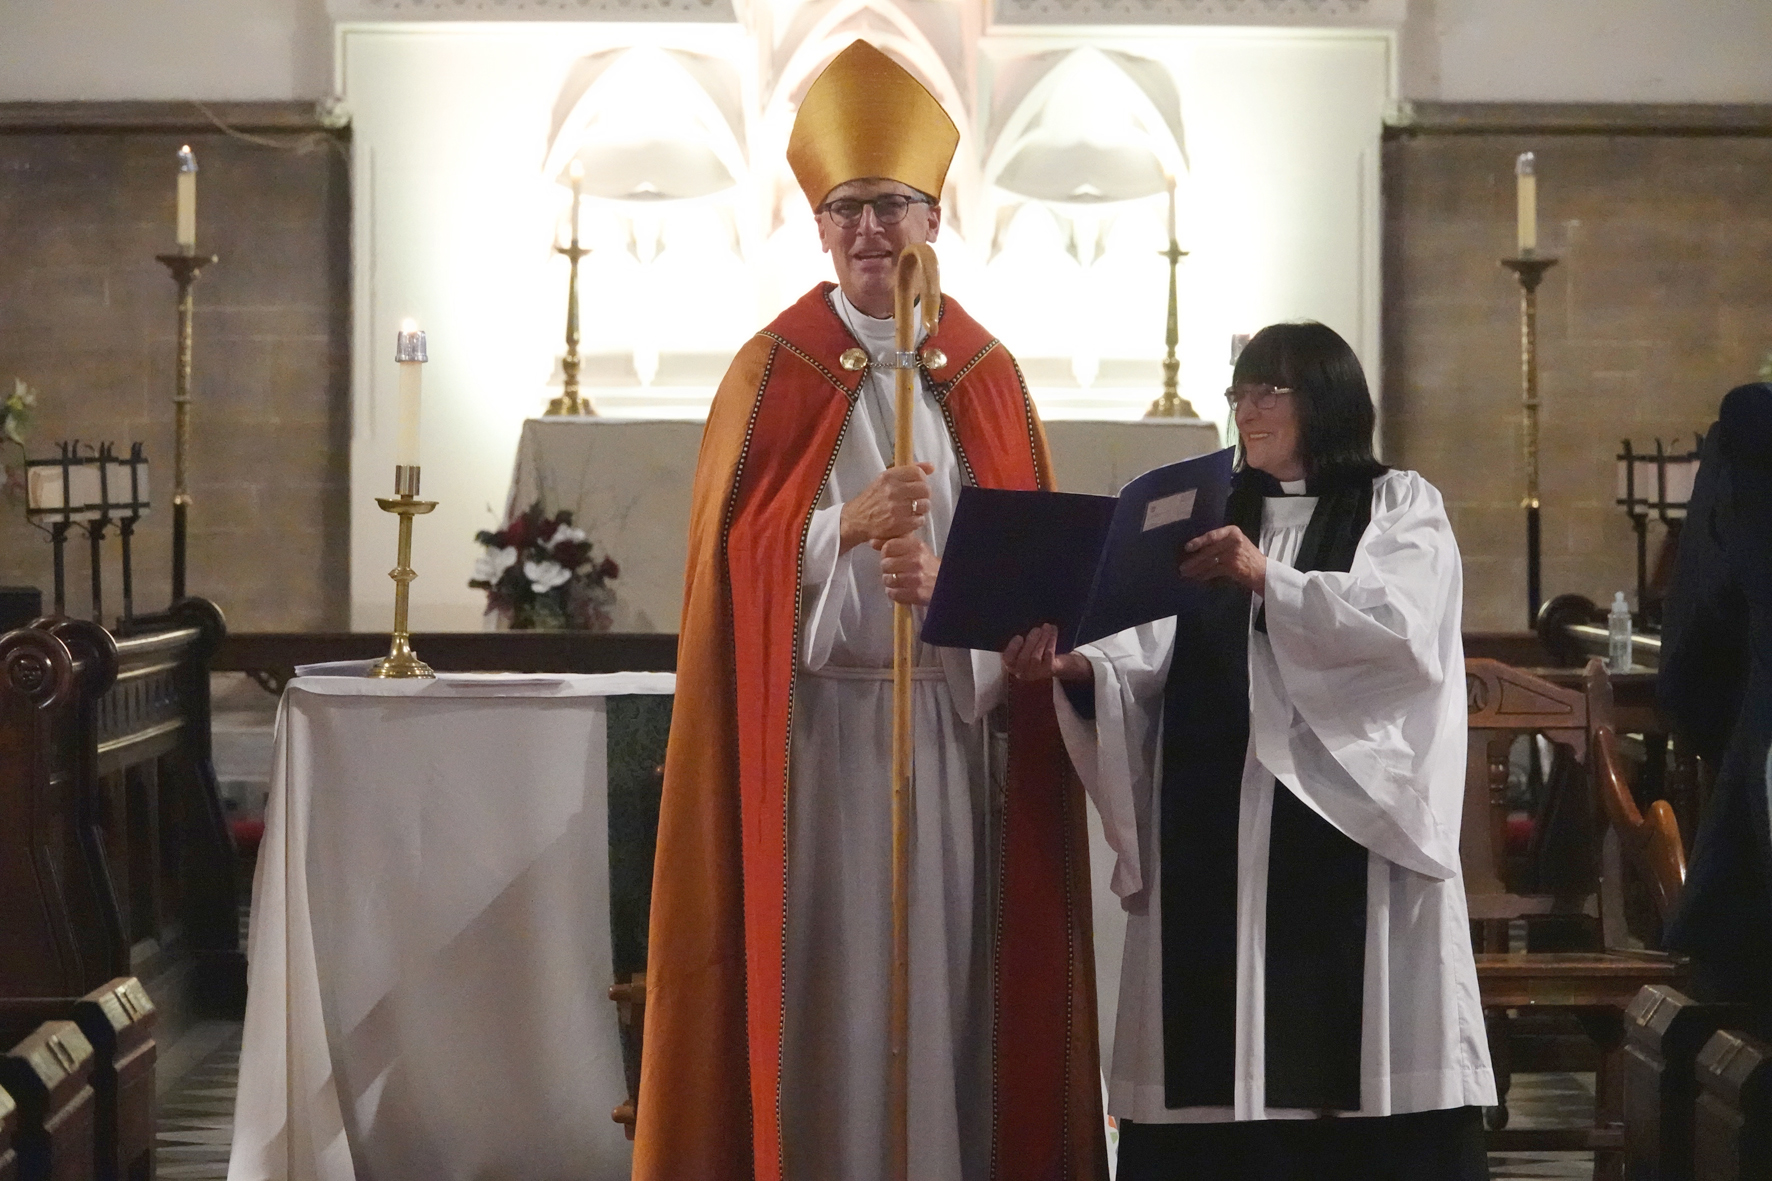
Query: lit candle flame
(408, 325)
(576, 170)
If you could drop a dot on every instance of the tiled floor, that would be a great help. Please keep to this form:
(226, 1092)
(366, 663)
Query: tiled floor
(1546, 1100)
(199, 1072)
(197, 1103)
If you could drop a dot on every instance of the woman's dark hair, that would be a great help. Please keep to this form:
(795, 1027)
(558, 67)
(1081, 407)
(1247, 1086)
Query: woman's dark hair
(1335, 415)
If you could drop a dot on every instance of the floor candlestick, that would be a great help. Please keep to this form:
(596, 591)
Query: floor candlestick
(184, 268)
(1529, 269)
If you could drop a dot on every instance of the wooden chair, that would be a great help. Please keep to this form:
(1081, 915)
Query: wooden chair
(48, 1075)
(1597, 985)
(630, 1004)
(1652, 843)
(1504, 704)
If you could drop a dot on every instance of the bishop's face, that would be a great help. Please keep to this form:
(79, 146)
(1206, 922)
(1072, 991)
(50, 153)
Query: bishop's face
(866, 252)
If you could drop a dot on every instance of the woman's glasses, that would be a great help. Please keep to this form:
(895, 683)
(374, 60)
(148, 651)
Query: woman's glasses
(1262, 397)
(889, 209)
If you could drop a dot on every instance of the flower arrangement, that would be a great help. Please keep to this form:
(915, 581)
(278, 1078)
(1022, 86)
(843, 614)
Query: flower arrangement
(15, 416)
(541, 573)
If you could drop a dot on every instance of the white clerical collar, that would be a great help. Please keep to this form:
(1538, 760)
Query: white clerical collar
(876, 335)
(1292, 487)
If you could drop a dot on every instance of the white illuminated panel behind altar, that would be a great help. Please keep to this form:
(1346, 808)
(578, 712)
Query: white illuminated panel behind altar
(1055, 206)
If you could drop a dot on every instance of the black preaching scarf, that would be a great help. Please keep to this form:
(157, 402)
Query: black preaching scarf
(1316, 897)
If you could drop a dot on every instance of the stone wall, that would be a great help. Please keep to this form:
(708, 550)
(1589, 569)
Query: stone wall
(87, 316)
(1660, 303)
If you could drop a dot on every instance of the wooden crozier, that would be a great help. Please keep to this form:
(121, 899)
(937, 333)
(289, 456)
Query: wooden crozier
(917, 275)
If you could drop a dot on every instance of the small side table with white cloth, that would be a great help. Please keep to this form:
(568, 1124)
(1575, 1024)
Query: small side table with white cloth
(429, 955)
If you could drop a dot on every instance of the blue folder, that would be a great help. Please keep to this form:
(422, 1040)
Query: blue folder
(1093, 565)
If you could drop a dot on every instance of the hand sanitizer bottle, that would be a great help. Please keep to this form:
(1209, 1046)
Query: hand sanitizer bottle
(1618, 636)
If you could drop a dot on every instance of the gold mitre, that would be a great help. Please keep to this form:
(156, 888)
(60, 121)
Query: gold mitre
(866, 116)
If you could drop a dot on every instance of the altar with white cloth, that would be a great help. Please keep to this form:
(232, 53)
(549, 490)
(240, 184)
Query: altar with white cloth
(627, 483)
(430, 948)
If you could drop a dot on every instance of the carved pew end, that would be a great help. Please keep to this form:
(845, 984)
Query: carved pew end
(48, 1075)
(1664, 1031)
(1732, 1121)
(118, 1019)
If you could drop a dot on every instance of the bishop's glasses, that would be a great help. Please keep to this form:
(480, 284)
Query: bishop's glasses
(889, 209)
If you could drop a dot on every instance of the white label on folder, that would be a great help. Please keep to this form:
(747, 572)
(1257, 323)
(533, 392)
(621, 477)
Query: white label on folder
(1169, 510)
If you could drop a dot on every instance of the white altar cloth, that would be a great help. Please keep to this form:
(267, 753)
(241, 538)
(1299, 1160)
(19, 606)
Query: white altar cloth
(429, 954)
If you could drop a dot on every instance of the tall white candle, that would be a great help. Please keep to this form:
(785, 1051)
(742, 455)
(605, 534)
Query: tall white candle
(1526, 192)
(411, 354)
(1171, 181)
(187, 200)
(577, 172)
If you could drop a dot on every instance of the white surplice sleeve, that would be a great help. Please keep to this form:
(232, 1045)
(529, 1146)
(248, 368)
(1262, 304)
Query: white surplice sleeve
(1357, 693)
(822, 589)
(1116, 757)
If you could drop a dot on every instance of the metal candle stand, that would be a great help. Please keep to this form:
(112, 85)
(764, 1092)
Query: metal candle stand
(401, 662)
(184, 268)
(570, 400)
(94, 490)
(1171, 404)
(1639, 505)
(1529, 269)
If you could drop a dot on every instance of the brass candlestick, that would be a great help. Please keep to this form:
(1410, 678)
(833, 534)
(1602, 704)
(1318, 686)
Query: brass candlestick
(184, 268)
(401, 661)
(570, 400)
(1529, 269)
(1172, 404)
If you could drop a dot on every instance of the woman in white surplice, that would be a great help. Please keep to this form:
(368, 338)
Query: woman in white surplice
(1318, 961)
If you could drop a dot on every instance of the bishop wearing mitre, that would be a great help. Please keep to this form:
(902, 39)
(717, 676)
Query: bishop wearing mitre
(770, 947)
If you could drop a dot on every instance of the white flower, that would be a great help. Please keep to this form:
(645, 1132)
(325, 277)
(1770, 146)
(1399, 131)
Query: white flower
(494, 562)
(545, 576)
(565, 534)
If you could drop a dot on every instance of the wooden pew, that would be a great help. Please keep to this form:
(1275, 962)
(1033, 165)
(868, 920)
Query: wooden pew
(1732, 1121)
(1597, 985)
(51, 929)
(112, 835)
(117, 1019)
(1665, 1031)
(48, 1074)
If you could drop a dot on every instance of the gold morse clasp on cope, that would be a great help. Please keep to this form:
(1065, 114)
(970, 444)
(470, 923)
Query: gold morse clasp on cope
(931, 357)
